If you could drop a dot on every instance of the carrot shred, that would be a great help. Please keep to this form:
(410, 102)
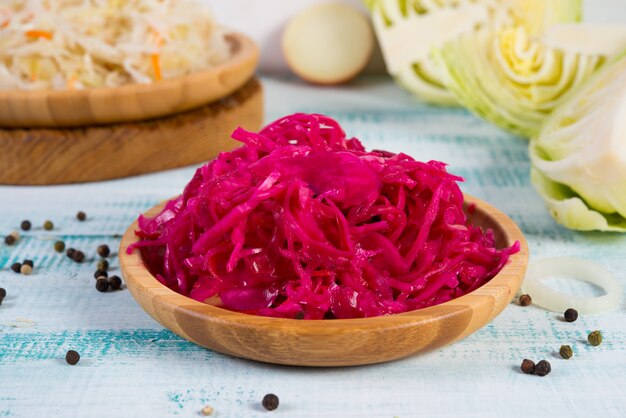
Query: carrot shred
(39, 34)
(156, 66)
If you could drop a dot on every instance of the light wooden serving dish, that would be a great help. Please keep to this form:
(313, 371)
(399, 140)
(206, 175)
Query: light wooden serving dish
(133, 102)
(342, 342)
(71, 155)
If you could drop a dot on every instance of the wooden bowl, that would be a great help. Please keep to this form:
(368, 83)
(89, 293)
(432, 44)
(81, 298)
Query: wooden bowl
(340, 342)
(132, 102)
(71, 155)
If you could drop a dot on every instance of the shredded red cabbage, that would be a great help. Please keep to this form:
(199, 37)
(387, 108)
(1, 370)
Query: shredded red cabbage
(301, 222)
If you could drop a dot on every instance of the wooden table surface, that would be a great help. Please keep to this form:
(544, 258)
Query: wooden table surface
(131, 367)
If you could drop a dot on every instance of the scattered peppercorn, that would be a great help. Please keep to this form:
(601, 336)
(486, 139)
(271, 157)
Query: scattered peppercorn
(525, 300)
(3, 294)
(78, 256)
(26, 269)
(571, 315)
(72, 357)
(207, 410)
(28, 262)
(566, 352)
(100, 273)
(270, 402)
(81, 216)
(25, 225)
(48, 226)
(528, 366)
(70, 252)
(16, 267)
(299, 315)
(543, 368)
(103, 265)
(595, 338)
(115, 282)
(102, 284)
(59, 246)
(103, 250)
(9, 239)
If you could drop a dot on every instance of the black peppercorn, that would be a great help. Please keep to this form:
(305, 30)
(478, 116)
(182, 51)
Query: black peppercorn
(10, 239)
(299, 315)
(102, 284)
(100, 273)
(270, 402)
(16, 267)
(59, 246)
(70, 252)
(25, 225)
(103, 250)
(115, 282)
(103, 265)
(3, 294)
(81, 216)
(72, 357)
(571, 315)
(542, 368)
(48, 226)
(28, 263)
(78, 256)
(525, 300)
(528, 366)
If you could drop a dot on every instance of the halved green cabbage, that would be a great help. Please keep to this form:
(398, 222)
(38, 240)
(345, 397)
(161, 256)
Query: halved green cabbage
(409, 30)
(579, 157)
(515, 75)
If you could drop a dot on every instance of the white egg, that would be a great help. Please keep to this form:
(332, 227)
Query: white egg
(328, 43)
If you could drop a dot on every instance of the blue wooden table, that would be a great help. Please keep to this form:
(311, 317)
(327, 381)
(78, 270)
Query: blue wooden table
(130, 366)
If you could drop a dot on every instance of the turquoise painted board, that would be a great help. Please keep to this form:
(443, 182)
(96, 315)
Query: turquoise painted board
(131, 366)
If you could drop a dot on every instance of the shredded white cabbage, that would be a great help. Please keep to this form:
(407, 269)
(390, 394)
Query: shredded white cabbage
(78, 44)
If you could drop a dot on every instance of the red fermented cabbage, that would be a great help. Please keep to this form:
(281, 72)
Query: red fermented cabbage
(302, 222)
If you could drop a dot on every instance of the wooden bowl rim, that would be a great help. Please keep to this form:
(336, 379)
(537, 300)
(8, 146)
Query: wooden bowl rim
(244, 49)
(146, 282)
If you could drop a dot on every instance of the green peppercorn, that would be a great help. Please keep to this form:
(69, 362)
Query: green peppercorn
(525, 300)
(78, 256)
(81, 216)
(48, 226)
(100, 273)
(16, 267)
(566, 352)
(10, 239)
(25, 225)
(103, 265)
(102, 284)
(571, 315)
(26, 269)
(59, 246)
(103, 250)
(72, 357)
(543, 368)
(115, 282)
(270, 402)
(528, 366)
(595, 338)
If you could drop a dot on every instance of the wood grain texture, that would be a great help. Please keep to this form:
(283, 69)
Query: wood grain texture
(72, 155)
(331, 342)
(133, 102)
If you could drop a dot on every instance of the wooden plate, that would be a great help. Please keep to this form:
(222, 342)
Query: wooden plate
(341, 342)
(70, 155)
(133, 102)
